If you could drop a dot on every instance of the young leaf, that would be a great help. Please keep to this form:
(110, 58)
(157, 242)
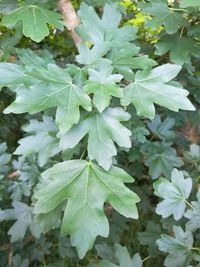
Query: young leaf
(103, 129)
(34, 20)
(193, 215)
(103, 84)
(174, 193)
(152, 87)
(178, 247)
(87, 187)
(42, 141)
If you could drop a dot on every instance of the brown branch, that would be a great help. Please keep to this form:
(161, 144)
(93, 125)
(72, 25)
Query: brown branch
(70, 18)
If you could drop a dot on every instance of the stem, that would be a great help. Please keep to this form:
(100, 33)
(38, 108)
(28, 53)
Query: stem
(146, 258)
(178, 9)
(197, 249)
(83, 153)
(188, 204)
(70, 19)
(182, 30)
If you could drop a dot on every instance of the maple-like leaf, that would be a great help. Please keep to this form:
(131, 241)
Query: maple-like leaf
(102, 83)
(179, 247)
(180, 48)
(35, 20)
(44, 87)
(42, 140)
(174, 193)
(151, 86)
(104, 30)
(103, 129)
(86, 187)
(164, 15)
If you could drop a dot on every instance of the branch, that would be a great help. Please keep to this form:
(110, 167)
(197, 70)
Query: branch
(71, 19)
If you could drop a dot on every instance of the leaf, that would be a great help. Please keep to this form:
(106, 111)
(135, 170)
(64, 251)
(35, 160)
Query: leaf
(43, 140)
(193, 215)
(103, 129)
(104, 30)
(45, 87)
(149, 236)
(162, 129)
(193, 156)
(7, 5)
(23, 214)
(163, 15)
(102, 83)
(174, 193)
(19, 262)
(188, 3)
(87, 187)
(34, 20)
(4, 158)
(139, 134)
(89, 56)
(178, 247)
(180, 48)
(122, 257)
(151, 87)
(161, 159)
(125, 59)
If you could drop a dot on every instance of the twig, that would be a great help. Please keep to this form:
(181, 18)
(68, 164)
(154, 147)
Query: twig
(70, 18)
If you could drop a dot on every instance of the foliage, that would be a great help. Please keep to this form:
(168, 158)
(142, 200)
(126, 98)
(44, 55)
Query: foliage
(81, 122)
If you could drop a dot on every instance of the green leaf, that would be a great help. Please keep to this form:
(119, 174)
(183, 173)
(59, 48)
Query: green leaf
(193, 156)
(23, 214)
(193, 215)
(162, 129)
(163, 15)
(103, 129)
(87, 187)
(89, 56)
(174, 193)
(102, 83)
(180, 48)
(45, 87)
(104, 30)
(161, 159)
(149, 236)
(43, 140)
(19, 262)
(4, 158)
(151, 87)
(124, 258)
(192, 3)
(179, 247)
(7, 5)
(125, 59)
(139, 134)
(121, 255)
(34, 20)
